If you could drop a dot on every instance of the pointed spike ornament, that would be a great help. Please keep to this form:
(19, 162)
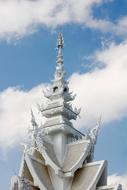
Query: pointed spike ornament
(60, 72)
(60, 41)
(59, 87)
(33, 121)
(93, 133)
(34, 131)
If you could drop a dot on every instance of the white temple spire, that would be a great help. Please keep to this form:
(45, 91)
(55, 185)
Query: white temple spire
(60, 41)
(60, 44)
(58, 156)
(60, 72)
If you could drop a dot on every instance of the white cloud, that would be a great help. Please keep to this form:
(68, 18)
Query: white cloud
(15, 105)
(116, 179)
(21, 17)
(103, 91)
(99, 92)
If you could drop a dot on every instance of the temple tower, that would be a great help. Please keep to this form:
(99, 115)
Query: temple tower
(59, 111)
(58, 156)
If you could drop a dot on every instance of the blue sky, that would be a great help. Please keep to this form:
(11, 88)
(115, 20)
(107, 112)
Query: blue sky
(96, 63)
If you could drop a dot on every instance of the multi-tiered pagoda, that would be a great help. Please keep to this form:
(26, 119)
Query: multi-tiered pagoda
(58, 156)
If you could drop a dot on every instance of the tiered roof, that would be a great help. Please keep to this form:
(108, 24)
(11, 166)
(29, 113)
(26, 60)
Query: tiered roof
(60, 157)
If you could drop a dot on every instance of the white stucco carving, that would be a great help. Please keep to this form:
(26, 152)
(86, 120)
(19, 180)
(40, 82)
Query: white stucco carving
(58, 156)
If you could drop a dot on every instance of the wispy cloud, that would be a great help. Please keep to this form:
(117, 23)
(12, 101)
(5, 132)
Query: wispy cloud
(22, 17)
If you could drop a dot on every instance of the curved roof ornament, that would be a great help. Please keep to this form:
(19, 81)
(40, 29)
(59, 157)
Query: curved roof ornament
(33, 132)
(92, 136)
(93, 133)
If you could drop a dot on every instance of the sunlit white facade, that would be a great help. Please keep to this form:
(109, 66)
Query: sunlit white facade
(58, 156)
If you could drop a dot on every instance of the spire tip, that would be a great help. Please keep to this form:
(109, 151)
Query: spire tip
(60, 40)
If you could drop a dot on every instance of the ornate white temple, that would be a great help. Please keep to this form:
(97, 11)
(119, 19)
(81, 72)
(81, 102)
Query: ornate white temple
(58, 156)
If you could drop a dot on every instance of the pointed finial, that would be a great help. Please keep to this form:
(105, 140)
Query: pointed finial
(34, 131)
(59, 47)
(93, 133)
(60, 72)
(60, 41)
(33, 121)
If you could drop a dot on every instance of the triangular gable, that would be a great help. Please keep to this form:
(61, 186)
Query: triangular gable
(88, 177)
(75, 155)
(24, 170)
(39, 173)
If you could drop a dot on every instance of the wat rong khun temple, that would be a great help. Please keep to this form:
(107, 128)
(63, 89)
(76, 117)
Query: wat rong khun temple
(58, 156)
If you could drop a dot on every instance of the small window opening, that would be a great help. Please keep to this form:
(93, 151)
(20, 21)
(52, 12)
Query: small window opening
(55, 89)
(65, 89)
